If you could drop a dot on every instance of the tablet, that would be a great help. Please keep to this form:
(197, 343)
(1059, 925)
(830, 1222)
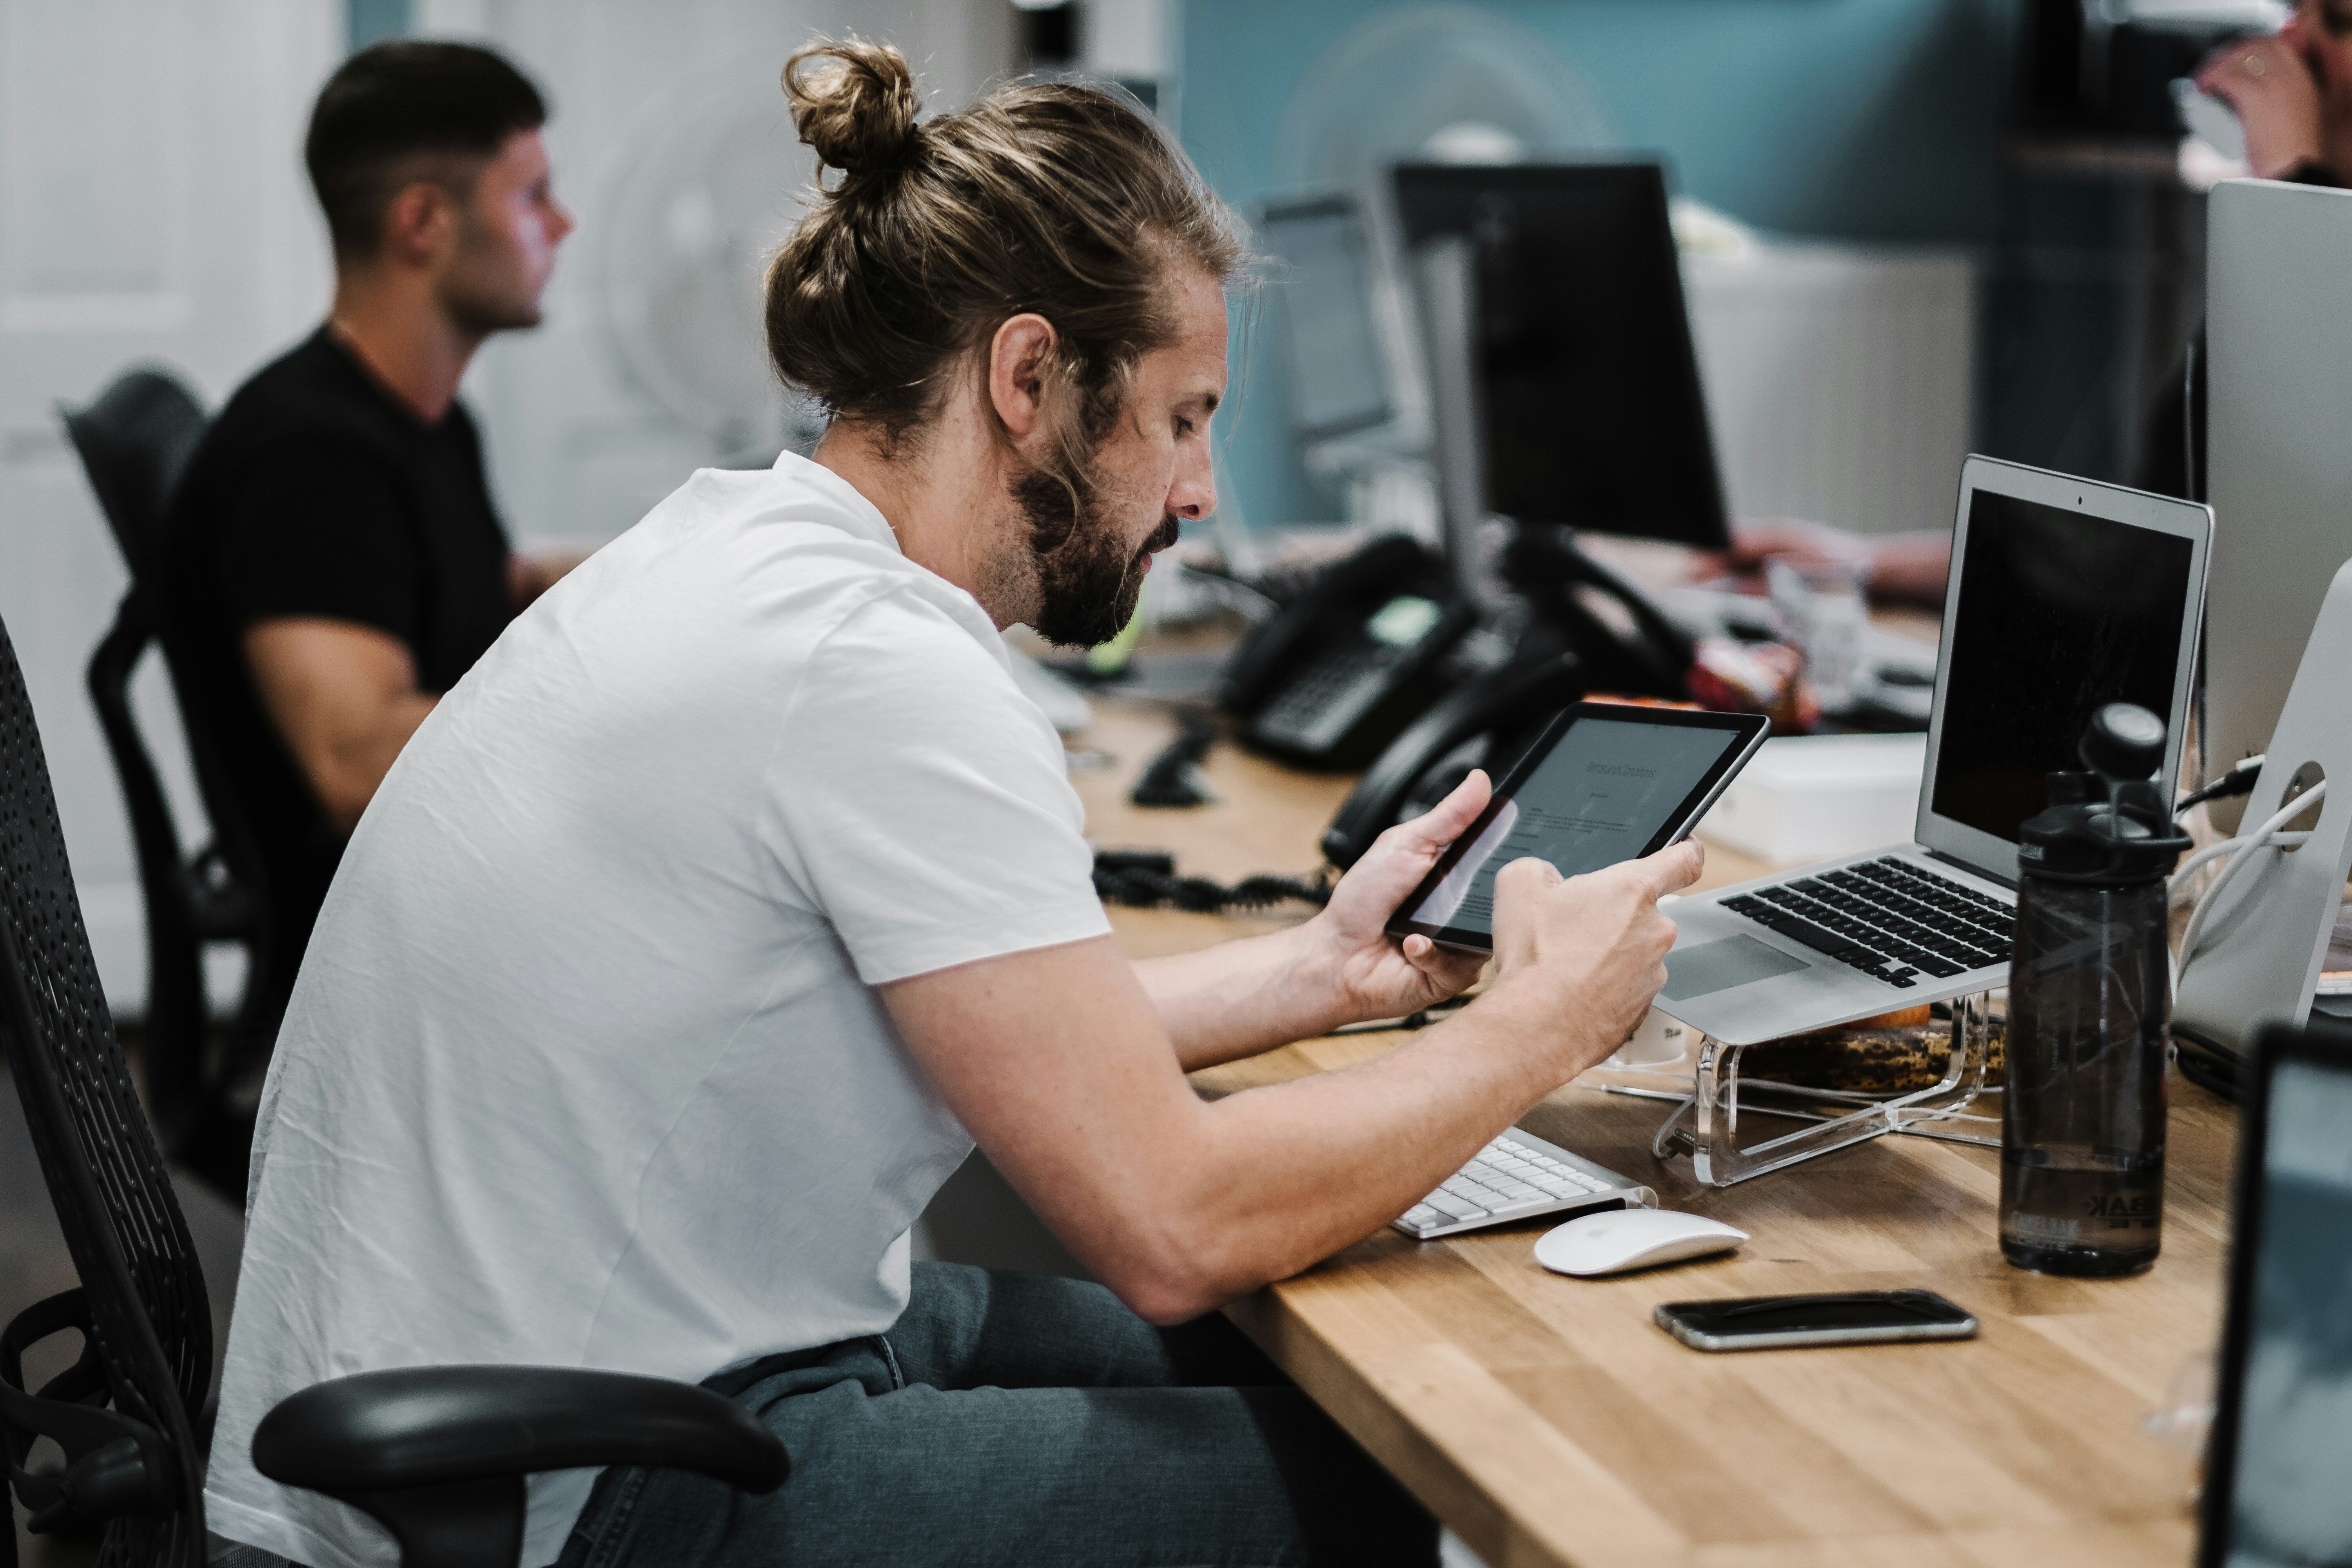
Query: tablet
(1604, 783)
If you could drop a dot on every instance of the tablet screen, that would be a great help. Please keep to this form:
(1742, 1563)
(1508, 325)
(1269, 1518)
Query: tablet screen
(1606, 791)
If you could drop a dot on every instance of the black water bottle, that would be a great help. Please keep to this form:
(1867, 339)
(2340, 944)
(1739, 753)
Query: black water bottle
(2090, 1012)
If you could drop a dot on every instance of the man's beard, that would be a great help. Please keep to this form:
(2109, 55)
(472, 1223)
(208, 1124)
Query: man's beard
(1088, 583)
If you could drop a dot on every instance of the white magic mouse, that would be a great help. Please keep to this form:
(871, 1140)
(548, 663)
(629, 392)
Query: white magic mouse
(1614, 1240)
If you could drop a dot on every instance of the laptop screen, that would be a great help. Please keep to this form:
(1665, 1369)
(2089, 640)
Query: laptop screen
(2284, 1499)
(2057, 613)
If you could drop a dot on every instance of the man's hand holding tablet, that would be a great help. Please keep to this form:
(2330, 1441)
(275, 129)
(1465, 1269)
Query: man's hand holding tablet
(1605, 784)
(1580, 956)
(1559, 871)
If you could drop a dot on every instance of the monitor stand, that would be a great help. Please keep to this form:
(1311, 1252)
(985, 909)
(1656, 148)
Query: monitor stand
(2266, 937)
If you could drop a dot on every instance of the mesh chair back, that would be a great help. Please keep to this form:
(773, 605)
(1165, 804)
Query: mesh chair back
(136, 440)
(148, 1321)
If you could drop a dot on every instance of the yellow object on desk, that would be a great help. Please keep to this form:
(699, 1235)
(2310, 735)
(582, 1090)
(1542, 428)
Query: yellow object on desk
(1548, 1421)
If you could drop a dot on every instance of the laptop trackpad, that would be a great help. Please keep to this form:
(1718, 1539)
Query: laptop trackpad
(1721, 965)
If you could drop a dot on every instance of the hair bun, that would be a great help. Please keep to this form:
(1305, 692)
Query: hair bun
(853, 102)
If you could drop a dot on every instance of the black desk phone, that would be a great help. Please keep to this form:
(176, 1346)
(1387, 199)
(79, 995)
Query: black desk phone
(1358, 656)
(1361, 670)
(1487, 723)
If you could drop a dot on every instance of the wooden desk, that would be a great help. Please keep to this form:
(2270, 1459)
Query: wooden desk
(1549, 1422)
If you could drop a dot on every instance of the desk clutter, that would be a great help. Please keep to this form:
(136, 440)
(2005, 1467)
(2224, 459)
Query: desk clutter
(1893, 1054)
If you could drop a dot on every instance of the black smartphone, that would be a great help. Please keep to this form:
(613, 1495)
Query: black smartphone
(1842, 1318)
(1605, 782)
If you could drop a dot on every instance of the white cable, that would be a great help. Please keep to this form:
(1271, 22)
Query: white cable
(2181, 872)
(2265, 837)
(2222, 847)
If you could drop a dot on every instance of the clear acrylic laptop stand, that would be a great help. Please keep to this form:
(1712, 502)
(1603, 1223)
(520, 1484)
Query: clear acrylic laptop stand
(1705, 1125)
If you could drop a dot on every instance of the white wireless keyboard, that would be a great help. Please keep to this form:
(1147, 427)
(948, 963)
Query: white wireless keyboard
(1519, 1176)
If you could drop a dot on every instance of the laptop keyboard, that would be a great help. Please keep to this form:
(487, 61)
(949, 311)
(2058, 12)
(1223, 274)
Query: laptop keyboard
(1889, 919)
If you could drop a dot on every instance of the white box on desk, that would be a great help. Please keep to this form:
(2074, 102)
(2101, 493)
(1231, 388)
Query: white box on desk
(1806, 797)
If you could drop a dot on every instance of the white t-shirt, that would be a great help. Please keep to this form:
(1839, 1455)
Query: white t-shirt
(583, 1068)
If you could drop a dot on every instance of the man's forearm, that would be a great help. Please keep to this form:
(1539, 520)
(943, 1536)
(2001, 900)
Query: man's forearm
(1298, 1171)
(1239, 999)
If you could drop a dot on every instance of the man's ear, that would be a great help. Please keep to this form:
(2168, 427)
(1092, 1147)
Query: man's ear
(419, 224)
(1017, 356)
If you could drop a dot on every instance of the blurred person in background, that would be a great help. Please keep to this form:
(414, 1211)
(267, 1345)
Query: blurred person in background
(333, 560)
(2292, 90)
(1896, 568)
(2293, 93)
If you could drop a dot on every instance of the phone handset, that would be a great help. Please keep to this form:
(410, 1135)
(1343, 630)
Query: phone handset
(1545, 566)
(1511, 706)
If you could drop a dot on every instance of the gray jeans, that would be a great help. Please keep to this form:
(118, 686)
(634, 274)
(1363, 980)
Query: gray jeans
(1017, 1419)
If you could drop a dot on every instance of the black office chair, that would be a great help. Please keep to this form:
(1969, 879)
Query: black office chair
(438, 1455)
(136, 440)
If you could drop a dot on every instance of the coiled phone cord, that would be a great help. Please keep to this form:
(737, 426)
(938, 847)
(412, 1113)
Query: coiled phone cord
(1147, 880)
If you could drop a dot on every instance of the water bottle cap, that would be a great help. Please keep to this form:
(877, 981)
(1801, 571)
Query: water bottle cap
(2122, 743)
(2113, 829)
(2080, 842)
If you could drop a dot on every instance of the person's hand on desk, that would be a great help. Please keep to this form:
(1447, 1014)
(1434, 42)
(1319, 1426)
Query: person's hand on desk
(1910, 567)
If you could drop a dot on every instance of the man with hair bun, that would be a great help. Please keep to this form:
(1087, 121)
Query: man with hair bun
(700, 933)
(334, 562)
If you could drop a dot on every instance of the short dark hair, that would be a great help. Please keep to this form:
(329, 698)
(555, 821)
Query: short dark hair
(393, 103)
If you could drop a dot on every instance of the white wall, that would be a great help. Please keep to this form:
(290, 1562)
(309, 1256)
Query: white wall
(152, 207)
(578, 449)
(1840, 380)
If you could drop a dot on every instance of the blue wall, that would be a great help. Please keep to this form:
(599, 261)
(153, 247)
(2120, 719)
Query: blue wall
(1873, 120)
(369, 22)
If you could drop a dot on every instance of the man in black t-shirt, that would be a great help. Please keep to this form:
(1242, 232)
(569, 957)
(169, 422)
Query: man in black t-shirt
(333, 560)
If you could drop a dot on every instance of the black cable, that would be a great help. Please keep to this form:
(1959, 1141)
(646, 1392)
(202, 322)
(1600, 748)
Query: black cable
(1435, 1013)
(1168, 779)
(1147, 880)
(2238, 781)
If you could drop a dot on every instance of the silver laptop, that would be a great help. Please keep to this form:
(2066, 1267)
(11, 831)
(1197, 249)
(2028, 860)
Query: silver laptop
(2064, 595)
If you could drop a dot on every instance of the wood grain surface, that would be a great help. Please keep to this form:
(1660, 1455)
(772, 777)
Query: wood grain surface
(1549, 1421)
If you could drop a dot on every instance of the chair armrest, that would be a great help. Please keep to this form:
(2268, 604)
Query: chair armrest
(433, 1425)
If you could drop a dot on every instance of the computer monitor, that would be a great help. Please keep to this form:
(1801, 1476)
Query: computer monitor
(1593, 413)
(2274, 1491)
(1338, 377)
(1446, 280)
(2279, 380)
